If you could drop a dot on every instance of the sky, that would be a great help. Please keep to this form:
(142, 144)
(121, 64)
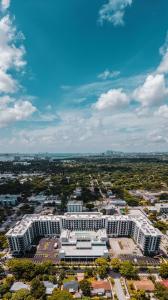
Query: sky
(83, 76)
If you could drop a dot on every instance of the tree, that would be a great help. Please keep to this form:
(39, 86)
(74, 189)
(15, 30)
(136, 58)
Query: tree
(85, 286)
(161, 292)
(20, 295)
(62, 275)
(102, 271)
(162, 226)
(60, 295)
(90, 206)
(37, 289)
(115, 264)
(1, 269)
(139, 295)
(3, 241)
(7, 296)
(128, 270)
(44, 268)
(101, 261)
(164, 270)
(88, 272)
(22, 268)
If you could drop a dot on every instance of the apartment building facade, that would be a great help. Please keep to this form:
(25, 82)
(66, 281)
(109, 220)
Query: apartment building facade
(138, 228)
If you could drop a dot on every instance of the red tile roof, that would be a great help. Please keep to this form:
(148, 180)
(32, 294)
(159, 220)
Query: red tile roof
(101, 284)
(164, 283)
(144, 284)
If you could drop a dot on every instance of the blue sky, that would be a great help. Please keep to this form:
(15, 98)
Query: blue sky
(83, 76)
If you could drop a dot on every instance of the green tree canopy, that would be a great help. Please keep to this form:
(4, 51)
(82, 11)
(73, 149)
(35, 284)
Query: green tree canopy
(164, 270)
(60, 295)
(128, 270)
(20, 295)
(115, 264)
(161, 292)
(101, 261)
(85, 286)
(37, 289)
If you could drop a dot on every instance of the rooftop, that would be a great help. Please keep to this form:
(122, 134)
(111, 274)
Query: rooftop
(101, 284)
(18, 285)
(164, 283)
(75, 202)
(22, 226)
(144, 284)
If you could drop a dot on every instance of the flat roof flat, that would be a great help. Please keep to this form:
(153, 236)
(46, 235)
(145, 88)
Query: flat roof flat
(94, 251)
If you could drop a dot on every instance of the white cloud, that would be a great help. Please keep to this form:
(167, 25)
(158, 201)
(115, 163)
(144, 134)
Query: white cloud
(120, 131)
(113, 99)
(113, 11)
(12, 110)
(108, 74)
(163, 49)
(153, 91)
(11, 61)
(163, 66)
(162, 111)
(7, 83)
(155, 137)
(11, 56)
(5, 5)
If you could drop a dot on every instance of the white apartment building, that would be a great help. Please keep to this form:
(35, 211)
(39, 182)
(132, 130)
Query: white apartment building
(162, 208)
(139, 228)
(75, 206)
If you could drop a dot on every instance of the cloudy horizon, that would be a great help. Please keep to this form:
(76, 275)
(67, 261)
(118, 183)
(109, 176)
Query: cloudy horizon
(83, 77)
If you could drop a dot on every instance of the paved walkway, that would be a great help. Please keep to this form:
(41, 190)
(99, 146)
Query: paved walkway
(119, 289)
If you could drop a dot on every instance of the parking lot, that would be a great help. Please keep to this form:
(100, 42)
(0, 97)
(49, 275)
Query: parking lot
(46, 250)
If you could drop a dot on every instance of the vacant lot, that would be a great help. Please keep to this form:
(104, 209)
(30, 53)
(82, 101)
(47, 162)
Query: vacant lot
(120, 246)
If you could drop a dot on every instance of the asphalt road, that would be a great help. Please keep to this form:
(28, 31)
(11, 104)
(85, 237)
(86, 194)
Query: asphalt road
(119, 289)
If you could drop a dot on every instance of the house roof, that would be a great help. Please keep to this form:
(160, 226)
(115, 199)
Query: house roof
(98, 291)
(71, 285)
(144, 284)
(165, 283)
(101, 284)
(49, 287)
(18, 285)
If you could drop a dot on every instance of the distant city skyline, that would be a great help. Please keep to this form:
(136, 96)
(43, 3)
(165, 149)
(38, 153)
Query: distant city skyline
(83, 76)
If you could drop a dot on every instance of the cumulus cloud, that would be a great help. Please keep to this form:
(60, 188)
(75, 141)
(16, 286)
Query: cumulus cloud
(4, 5)
(113, 11)
(12, 110)
(113, 99)
(11, 61)
(108, 74)
(153, 91)
(162, 111)
(11, 56)
(7, 83)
